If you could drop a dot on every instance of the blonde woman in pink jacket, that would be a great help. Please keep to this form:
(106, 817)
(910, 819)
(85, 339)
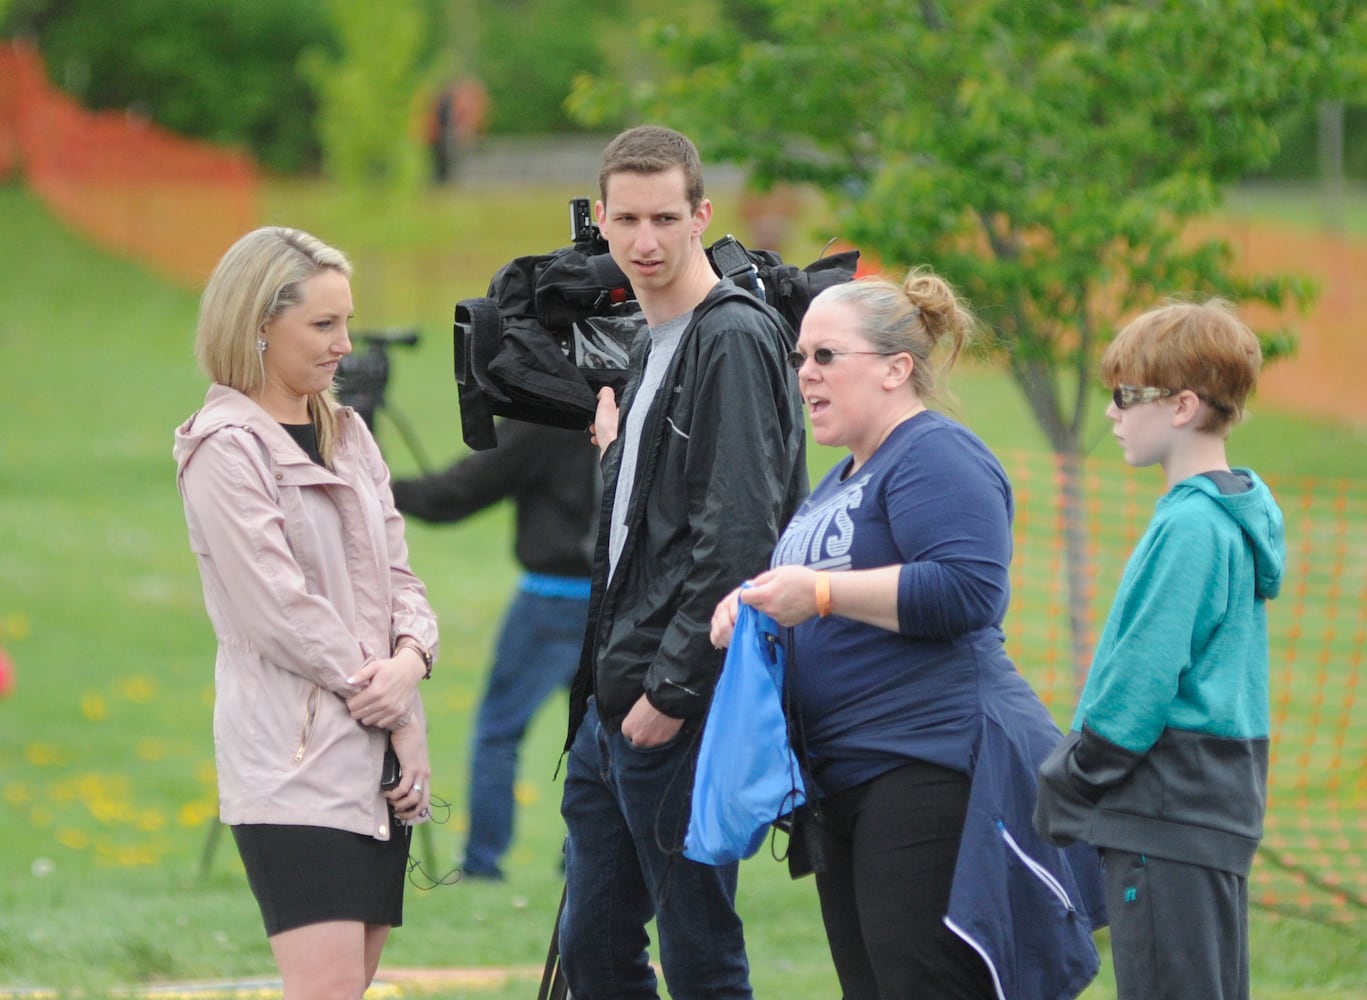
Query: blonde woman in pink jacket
(324, 633)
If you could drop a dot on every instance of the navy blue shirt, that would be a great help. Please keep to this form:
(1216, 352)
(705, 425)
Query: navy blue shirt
(934, 500)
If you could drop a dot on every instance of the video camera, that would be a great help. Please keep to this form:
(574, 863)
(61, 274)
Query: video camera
(363, 375)
(553, 329)
(583, 230)
(556, 328)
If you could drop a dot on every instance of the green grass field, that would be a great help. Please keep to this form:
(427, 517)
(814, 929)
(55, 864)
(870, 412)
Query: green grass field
(106, 781)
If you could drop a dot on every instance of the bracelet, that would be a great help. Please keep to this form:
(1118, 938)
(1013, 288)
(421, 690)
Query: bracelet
(823, 593)
(408, 642)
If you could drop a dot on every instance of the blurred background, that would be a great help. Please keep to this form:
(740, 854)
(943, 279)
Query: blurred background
(1066, 164)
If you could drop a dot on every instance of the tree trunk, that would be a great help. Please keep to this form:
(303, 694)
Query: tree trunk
(1331, 163)
(1072, 498)
(1065, 440)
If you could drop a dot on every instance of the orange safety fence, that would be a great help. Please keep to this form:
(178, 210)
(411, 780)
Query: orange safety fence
(172, 203)
(1313, 860)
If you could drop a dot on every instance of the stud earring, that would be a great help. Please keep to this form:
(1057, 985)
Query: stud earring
(260, 343)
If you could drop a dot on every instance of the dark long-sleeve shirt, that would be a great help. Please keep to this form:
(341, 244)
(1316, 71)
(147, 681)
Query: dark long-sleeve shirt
(549, 473)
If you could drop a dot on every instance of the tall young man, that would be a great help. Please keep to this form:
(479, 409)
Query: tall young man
(702, 465)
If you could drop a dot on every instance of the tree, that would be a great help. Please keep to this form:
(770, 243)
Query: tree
(371, 90)
(1044, 156)
(225, 73)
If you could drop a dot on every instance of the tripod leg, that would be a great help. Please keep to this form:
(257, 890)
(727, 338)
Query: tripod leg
(553, 985)
(409, 437)
(206, 856)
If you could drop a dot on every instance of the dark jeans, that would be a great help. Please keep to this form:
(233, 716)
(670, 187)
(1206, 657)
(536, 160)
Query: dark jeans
(1178, 931)
(537, 652)
(890, 846)
(626, 812)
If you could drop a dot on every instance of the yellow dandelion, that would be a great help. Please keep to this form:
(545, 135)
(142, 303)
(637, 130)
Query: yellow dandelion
(93, 785)
(150, 820)
(17, 793)
(137, 689)
(94, 708)
(137, 856)
(206, 773)
(16, 626)
(111, 812)
(42, 754)
(150, 749)
(525, 792)
(77, 840)
(192, 814)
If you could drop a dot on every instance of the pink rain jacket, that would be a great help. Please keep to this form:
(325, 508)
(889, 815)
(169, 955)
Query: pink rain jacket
(306, 579)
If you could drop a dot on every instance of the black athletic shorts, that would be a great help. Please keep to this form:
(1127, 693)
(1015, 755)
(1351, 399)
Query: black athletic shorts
(310, 874)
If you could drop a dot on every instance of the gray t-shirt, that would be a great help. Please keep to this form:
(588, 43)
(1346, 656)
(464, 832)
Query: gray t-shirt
(664, 341)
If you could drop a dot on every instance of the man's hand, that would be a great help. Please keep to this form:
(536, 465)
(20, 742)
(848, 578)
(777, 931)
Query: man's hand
(646, 726)
(603, 430)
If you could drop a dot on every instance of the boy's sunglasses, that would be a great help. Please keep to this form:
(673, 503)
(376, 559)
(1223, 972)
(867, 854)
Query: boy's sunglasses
(1125, 396)
(824, 356)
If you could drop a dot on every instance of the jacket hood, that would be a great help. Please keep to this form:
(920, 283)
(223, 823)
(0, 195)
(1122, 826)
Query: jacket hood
(225, 407)
(1258, 516)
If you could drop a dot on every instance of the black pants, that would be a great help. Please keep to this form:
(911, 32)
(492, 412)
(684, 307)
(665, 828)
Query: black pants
(890, 846)
(1178, 931)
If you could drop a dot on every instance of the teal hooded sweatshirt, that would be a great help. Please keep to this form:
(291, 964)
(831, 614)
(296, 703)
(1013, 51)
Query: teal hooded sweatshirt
(1169, 746)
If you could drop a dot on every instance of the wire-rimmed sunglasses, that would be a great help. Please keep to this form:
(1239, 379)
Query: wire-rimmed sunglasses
(1125, 396)
(824, 356)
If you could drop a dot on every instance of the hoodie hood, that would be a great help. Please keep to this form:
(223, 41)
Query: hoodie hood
(1259, 518)
(225, 407)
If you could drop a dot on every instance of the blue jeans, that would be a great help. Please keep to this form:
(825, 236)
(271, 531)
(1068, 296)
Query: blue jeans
(626, 810)
(537, 652)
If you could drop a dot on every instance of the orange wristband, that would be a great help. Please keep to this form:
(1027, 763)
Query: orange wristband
(823, 593)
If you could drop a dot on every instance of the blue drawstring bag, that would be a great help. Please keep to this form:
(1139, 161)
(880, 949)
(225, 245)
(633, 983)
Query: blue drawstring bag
(747, 775)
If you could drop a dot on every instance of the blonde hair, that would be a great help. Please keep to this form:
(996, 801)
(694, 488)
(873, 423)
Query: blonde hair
(1203, 347)
(914, 317)
(257, 279)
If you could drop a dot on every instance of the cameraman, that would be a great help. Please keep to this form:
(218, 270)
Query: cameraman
(551, 475)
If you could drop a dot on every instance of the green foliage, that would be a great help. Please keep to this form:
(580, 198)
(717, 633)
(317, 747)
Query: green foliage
(1298, 155)
(1045, 157)
(221, 72)
(371, 96)
(237, 72)
(531, 50)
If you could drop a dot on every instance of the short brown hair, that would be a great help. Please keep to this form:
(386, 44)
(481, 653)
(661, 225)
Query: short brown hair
(652, 149)
(1203, 347)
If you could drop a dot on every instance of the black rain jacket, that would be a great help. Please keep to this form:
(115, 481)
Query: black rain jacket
(722, 467)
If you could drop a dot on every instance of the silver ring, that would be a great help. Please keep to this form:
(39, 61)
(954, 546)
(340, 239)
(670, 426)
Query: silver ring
(417, 787)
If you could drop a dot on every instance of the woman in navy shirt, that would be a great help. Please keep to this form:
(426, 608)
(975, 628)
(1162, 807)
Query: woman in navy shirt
(920, 738)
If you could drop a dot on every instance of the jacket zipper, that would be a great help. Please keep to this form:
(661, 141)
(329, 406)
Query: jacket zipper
(310, 717)
(1040, 872)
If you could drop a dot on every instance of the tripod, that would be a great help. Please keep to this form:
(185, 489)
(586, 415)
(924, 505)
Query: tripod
(363, 377)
